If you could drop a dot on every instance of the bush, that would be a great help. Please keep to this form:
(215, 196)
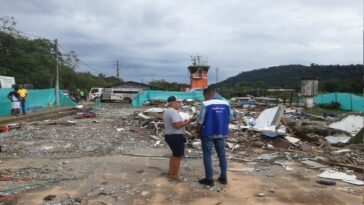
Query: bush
(332, 105)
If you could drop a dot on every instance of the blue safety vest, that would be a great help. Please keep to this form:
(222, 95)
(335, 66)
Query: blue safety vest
(217, 118)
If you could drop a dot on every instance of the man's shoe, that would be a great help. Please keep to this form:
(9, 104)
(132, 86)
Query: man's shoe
(208, 182)
(222, 180)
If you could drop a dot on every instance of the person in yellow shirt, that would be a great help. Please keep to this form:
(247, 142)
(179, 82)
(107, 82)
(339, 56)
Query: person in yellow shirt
(23, 93)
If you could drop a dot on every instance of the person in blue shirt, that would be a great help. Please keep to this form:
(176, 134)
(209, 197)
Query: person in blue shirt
(212, 128)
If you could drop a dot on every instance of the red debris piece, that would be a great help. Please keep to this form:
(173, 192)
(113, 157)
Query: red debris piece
(281, 143)
(4, 128)
(87, 115)
(7, 198)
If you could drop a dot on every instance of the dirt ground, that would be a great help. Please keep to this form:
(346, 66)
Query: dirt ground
(90, 162)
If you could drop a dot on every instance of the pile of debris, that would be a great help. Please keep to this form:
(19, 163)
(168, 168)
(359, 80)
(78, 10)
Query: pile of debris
(270, 141)
(151, 121)
(277, 128)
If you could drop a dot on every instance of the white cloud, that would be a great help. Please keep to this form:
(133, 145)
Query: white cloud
(157, 37)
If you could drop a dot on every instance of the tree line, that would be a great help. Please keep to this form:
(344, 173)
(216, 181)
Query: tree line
(33, 61)
(332, 78)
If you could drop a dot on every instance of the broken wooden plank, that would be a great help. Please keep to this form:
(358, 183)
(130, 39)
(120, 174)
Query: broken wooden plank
(349, 166)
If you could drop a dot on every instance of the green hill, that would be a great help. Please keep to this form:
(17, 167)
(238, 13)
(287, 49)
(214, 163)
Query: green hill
(340, 78)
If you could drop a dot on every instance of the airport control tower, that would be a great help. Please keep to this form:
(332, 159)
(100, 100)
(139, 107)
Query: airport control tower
(198, 73)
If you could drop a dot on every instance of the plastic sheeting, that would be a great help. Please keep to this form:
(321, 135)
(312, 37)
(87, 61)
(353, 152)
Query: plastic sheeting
(36, 99)
(347, 101)
(332, 174)
(147, 95)
(351, 124)
(269, 118)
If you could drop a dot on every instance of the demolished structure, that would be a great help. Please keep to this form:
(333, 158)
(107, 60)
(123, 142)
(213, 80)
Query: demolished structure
(264, 141)
(317, 141)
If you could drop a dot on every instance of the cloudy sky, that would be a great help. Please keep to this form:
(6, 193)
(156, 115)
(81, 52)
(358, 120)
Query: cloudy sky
(157, 37)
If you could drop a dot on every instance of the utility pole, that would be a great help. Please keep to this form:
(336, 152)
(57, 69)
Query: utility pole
(217, 75)
(117, 69)
(57, 73)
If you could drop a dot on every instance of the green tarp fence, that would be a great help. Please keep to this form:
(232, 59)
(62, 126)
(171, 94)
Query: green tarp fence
(147, 95)
(347, 101)
(36, 99)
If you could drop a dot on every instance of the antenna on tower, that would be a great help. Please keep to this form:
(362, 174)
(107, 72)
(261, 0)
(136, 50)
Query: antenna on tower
(199, 60)
(194, 60)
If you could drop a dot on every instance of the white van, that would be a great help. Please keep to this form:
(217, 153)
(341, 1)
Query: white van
(95, 92)
(119, 94)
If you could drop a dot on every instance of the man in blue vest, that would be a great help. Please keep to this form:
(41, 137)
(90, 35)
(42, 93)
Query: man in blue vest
(212, 128)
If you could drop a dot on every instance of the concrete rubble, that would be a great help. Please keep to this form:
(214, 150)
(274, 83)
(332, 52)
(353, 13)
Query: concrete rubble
(288, 130)
(267, 141)
(332, 174)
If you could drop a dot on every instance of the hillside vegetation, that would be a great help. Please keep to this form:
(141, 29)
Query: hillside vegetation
(332, 78)
(32, 61)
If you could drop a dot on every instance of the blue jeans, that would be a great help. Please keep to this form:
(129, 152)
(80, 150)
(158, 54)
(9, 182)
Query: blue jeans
(219, 143)
(23, 106)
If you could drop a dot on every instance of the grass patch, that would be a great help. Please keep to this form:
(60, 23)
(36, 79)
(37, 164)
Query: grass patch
(320, 111)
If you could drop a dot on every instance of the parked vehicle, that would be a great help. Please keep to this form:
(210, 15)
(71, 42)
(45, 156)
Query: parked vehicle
(65, 92)
(94, 92)
(119, 94)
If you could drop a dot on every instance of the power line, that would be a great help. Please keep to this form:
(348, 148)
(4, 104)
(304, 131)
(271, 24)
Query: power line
(26, 11)
(76, 31)
(32, 35)
(64, 49)
(82, 62)
(16, 6)
(59, 46)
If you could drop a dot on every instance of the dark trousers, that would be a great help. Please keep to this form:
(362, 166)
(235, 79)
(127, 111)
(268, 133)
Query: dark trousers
(219, 144)
(23, 106)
